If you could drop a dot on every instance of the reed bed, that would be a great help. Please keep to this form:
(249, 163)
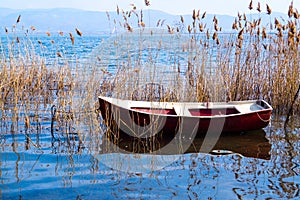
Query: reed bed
(202, 64)
(39, 95)
(252, 61)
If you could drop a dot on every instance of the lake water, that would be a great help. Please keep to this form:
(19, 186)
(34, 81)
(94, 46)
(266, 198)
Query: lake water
(263, 164)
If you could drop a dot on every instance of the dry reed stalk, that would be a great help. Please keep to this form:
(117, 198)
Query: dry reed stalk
(251, 64)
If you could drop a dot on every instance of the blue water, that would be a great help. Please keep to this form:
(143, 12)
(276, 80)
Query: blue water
(34, 165)
(47, 47)
(49, 170)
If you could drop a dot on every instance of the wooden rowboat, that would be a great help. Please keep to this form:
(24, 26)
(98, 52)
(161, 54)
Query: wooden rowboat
(143, 119)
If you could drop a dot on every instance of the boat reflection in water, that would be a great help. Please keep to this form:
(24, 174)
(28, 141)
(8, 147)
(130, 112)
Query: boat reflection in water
(249, 144)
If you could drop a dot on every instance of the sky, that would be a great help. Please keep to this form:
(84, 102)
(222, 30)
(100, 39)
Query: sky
(230, 7)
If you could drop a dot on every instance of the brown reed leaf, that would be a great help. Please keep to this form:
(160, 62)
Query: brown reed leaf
(189, 29)
(27, 122)
(253, 25)
(181, 19)
(203, 15)
(291, 10)
(292, 28)
(72, 38)
(6, 30)
(291, 35)
(147, 2)
(250, 5)
(18, 40)
(215, 20)
(280, 34)
(170, 30)
(78, 32)
(216, 27)
(207, 34)
(258, 21)
(198, 14)
(194, 15)
(133, 6)
(61, 33)
(59, 54)
(240, 35)
(48, 33)
(240, 24)
(108, 16)
(239, 44)
(269, 10)
(142, 24)
(265, 46)
(129, 28)
(234, 25)
(201, 29)
(276, 21)
(296, 14)
(215, 36)
(239, 16)
(118, 10)
(298, 38)
(264, 33)
(291, 41)
(39, 41)
(258, 7)
(278, 25)
(158, 22)
(19, 19)
(32, 28)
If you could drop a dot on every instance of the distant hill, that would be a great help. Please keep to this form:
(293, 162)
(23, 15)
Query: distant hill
(65, 19)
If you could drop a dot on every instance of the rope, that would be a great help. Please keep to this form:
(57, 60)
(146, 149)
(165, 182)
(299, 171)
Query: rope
(264, 120)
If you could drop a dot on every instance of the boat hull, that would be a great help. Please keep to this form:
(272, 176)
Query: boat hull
(142, 123)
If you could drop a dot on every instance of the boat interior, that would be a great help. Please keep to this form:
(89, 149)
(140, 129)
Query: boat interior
(200, 109)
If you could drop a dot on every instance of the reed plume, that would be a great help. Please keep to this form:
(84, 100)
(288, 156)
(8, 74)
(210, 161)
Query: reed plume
(72, 38)
(269, 10)
(19, 19)
(258, 7)
(147, 2)
(78, 32)
(250, 5)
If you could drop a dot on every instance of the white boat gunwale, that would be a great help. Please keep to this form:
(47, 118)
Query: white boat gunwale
(188, 105)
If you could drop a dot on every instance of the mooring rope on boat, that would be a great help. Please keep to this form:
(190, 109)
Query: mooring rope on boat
(264, 120)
